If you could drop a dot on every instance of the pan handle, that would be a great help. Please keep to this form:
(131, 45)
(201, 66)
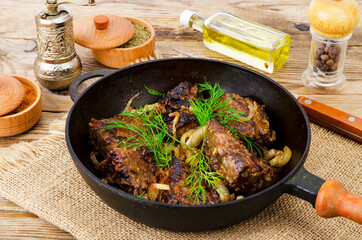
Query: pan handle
(329, 198)
(304, 185)
(73, 89)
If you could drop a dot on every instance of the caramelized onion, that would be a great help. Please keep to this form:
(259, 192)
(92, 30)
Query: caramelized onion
(175, 121)
(196, 137)
(280, 158)
(154, 190)
(128, 105)
(223, 191)
(186, 135)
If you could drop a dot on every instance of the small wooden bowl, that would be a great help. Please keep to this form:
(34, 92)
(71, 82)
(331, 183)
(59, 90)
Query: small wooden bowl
(121, 57)
(14, 124)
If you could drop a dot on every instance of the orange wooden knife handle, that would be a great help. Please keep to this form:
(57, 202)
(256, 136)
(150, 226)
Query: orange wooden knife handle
(334, 200)
(333, 119)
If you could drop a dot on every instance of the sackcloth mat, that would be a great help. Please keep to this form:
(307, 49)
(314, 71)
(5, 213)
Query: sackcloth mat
(40, 176)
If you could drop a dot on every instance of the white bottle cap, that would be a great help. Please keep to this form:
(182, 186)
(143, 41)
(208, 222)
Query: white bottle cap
(185, 17)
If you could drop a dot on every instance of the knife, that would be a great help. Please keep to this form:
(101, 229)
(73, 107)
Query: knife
(336, 120)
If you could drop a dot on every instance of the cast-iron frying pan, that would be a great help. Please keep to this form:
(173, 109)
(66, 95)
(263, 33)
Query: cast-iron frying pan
(108, 96)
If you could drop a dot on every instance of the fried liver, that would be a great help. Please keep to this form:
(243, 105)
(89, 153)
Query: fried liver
(129, 170)
(175, 176)
(103, 141)
(178, 97)
(257, 128)
(241, 170)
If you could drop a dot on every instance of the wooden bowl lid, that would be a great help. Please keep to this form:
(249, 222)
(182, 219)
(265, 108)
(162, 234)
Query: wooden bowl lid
(333, 18)
(11, 94)
(102, 31)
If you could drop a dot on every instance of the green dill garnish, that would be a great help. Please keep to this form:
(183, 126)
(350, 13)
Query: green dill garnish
(201, 173)
(251, 145)
(207, 108)
(140, 195)
(154, 92)
(151, 133)
(214, 107)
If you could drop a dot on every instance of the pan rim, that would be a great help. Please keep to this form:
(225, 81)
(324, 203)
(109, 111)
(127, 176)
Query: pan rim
(131, 197)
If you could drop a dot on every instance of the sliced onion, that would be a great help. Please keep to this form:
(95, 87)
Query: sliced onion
(94, 159)
(186, 135)
(251, 108)
(223, 191)
(128, 105)
(175, 121)
(160, 186)
(239, 197)
(173, 149)
(154, 190)
(282, 159)
(196, 137)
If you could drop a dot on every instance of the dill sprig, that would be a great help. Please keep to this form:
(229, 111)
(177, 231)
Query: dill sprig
(201, 175)
(251, 145)
(151, 133)
(154, 92)
(140, 195)
(214, 107)
(207, 108)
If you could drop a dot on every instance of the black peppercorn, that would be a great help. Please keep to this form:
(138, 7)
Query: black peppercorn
(326, 57)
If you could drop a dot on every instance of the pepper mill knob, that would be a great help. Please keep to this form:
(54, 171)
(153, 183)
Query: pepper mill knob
(101, 22)
(333, 18)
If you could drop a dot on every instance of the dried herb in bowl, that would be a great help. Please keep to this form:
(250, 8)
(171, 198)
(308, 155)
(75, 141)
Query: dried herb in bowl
(141, 35)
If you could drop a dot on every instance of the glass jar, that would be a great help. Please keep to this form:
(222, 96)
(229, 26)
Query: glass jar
(326, 61)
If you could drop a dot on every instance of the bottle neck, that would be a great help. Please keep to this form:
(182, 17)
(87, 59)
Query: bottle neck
(196, 22)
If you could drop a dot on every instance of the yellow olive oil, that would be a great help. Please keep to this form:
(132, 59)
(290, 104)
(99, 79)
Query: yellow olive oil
(257, 45)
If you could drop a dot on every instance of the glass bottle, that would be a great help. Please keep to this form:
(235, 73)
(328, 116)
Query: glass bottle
(252, 43)
(332, 23)
(326, 61)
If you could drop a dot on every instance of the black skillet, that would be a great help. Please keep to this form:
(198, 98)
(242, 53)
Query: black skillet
(108, 96)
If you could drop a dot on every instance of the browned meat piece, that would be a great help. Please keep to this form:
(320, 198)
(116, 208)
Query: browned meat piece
(178, 97)
(104, 141)
(240, 169)
(174, 176)
(129, 170)
(177, 103)
(258, 127)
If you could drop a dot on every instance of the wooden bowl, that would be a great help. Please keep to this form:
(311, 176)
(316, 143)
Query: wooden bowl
(14, 124)
(121, 57)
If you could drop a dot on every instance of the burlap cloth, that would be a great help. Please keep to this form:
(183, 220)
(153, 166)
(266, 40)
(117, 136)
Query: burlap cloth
(42, 178)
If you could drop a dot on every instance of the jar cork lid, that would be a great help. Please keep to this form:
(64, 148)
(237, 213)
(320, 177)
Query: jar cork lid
(333, 18)
(102, 31)
(11, 94)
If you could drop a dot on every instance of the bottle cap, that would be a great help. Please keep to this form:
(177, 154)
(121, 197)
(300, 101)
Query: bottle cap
(185, 17)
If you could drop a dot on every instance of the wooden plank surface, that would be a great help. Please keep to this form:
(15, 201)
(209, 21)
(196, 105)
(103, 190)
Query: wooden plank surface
(18, 49)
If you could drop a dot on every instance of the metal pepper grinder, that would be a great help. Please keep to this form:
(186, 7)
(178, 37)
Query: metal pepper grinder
(57, 63)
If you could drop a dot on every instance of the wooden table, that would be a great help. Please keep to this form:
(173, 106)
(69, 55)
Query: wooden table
(18, 49)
